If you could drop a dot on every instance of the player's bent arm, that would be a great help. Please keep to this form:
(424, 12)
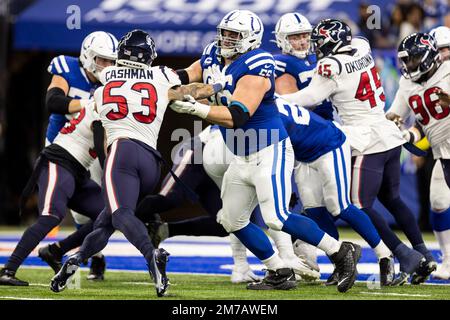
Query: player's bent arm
(319, 89)
(285, 84)
(57, 100)
(193, 73)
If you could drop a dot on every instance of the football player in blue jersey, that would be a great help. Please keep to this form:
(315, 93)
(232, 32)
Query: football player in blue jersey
(73, 81)
(261, 169)
(295, 65)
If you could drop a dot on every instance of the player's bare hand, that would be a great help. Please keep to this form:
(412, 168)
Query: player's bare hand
(395, 118)
(444, 98)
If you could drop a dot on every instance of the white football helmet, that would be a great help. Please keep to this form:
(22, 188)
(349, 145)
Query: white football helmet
(97, 44)
(442, 36)
(249, 27)
(289, 24)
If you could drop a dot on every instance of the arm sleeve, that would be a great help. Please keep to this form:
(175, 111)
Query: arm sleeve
(99, 137)
(318, 90)
(400, 106)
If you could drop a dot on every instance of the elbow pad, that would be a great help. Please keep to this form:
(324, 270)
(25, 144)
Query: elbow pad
(57, 101)
(239, 114)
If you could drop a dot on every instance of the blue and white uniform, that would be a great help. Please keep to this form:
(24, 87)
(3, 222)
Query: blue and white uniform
(302, 70)
(261, 169)
(79, 88)
(323, 158)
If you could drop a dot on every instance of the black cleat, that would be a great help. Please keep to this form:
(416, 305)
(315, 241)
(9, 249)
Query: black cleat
(158, 231)
(387, 271)
(423, 272)
(8, 278)
(59, 281)
(157, 269)
(98, 267)
(345, 261)
(333, 279)
(280, 279)
(51, 258)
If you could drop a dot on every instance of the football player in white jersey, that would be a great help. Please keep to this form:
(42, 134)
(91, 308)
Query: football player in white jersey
(347, 75)
(424, 75)
(61, 174)
(73, 82)
(131, 105)
(261, 170)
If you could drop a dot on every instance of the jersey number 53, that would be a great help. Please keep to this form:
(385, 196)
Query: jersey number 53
(122, 103)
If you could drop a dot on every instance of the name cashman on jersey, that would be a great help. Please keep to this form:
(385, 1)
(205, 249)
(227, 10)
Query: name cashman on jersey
(359, 64)
(128, 74)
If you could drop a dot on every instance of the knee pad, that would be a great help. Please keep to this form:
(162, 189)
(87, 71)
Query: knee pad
(103, 220)
(119, 217)
(275, 224)
(228, 224)
(439, 204)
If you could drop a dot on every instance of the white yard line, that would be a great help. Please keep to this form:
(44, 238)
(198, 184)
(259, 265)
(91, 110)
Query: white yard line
(21, 298)
(396, 294)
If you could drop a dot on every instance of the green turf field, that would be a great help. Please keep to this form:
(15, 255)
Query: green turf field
(132, 285)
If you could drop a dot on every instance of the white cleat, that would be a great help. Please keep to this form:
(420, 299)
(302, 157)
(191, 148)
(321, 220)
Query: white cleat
(243, 275)
(307, 253)
(302, 270)
(443, 270)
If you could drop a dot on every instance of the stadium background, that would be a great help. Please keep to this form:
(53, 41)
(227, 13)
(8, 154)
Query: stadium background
(32, 32)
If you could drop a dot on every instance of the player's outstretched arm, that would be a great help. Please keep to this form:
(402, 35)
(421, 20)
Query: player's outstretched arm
(191, 74)
(320, 88)
(196, 90)
(57, 100)
(241, 107)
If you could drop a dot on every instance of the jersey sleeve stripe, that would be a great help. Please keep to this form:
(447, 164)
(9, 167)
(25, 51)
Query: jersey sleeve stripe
(208, 48)
(280, 69)
(280, 63)
(57, 66)
(64, 63)
(257, 56)
(339, 64)
(261, 62)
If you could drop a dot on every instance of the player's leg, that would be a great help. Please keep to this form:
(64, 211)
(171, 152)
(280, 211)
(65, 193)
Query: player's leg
(56, 186)
(367, 177)
(440, 218)
(272, 180)
(390, 197)
(239, 200)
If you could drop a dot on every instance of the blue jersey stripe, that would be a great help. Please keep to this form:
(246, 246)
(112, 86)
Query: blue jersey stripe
(338, 180)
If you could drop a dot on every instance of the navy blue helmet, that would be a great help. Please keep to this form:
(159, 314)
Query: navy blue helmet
(418, 54)
(329, 36)
(136, 50)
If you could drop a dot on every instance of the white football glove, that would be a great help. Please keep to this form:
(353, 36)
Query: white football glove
(217, 77)
(190, 106)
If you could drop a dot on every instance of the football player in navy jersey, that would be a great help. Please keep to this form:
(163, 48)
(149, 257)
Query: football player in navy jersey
(261, 169)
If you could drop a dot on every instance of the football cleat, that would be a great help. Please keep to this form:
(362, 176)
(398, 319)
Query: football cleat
(157, 269)
(8, 278)
(345, 261)
(423, 272)
(333, 279)
(97, 269)
(400, 280)
(307, 253)
(280, 279)
(387, 271)
(49, 257)
(302, 270)
(243, 275)
(443, 271)
(59, 281)
(158, 231)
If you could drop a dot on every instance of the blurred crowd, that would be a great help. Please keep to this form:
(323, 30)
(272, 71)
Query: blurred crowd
(401, 19)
